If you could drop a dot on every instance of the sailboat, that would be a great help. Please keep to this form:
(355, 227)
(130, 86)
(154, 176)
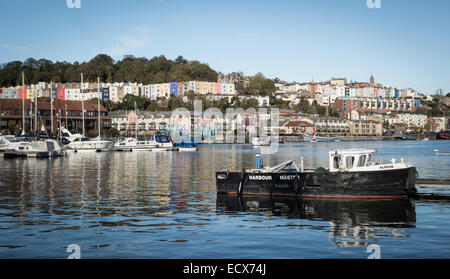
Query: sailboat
(313, 137)
(130, 144)
(188, 145)
(77, 142)
(36, 148)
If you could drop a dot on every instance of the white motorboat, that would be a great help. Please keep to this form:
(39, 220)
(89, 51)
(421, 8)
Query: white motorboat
(440, 152)
(9, 142)
(260, 141)
(187, 149)
(133, 144)
(161, 143)
(45, 148)
(77, 142)
(314, 138)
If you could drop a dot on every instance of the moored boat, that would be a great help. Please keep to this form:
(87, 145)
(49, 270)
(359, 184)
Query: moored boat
(45, 148)
(440, 152)
(133, 144)
(9, 142)
(444, 135)
(77, 142)
(260, 141)
(313, 138)
(351, 174)
(186, 146)
(161, 143)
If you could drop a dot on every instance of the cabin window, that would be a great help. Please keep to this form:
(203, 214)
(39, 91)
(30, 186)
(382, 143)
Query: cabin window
(336, 162)
(50, 146)
(349, 161)
(361, 161)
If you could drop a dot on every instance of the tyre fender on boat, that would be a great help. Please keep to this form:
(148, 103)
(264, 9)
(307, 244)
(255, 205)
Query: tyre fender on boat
(241, 183)
(296, 184)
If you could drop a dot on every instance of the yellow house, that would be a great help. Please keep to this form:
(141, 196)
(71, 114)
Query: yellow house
(160, 90)
(30, 93)
(166, 87)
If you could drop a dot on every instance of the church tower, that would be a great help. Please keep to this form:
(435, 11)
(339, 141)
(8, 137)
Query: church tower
(372, 80)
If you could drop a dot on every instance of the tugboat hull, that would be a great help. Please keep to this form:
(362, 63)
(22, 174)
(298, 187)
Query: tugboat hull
(388, 184)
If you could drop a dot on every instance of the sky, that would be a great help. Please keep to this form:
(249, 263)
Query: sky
(403, 43)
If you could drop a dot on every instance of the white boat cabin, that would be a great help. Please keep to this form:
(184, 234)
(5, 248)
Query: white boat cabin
(359, 160)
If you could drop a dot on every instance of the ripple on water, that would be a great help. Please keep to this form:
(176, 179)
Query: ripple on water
(164, 205)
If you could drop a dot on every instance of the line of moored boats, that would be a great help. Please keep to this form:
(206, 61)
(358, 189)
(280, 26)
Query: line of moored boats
(11, 146)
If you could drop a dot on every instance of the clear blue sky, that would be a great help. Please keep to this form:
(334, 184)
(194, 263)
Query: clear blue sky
(405, 43)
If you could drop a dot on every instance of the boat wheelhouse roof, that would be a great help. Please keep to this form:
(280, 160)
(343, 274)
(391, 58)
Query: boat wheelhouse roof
(351, 151)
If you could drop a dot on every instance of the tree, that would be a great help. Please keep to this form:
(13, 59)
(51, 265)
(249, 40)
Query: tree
(159, 69)
(180, 60)
(129, 101)
(12, 127)
(259, 85)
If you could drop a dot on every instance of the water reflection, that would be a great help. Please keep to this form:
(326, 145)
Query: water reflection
(351, 222)
(114, 204)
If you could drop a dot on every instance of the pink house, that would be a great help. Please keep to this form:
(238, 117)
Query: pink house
(132, 120)
(217, 88)
(179, 89)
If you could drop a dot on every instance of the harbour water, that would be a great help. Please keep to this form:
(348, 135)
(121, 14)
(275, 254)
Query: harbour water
(164, 205)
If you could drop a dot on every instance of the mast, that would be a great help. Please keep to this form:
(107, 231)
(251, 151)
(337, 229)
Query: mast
(0, 117)
(31, 115)
(23, 103)
(326, 118)
(136, 122)
(35, 112)
(82, 102)
(98, 105)
(67, 125)
(314, 123)
(51, 107)
(60, 124)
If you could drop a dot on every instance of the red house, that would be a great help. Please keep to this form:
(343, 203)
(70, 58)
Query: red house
(22, 95)
(179, 89)
(61, 95)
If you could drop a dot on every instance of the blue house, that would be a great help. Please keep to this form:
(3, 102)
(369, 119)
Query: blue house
(55, 94)
(173, 88)
(105, 94)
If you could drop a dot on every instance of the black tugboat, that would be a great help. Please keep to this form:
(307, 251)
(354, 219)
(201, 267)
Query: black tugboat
(351, 174)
